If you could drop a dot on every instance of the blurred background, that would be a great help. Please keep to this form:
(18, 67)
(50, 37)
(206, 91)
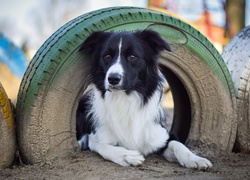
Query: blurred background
(26, 24)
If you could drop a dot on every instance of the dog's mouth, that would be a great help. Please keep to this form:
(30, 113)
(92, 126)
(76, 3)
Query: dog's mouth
(114, 88)
(119, 89)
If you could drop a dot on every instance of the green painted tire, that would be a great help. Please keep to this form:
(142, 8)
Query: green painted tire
(237, 57)
(7, 131)
(56, 77)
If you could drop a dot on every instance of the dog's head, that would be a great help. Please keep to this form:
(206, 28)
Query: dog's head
(125, 61)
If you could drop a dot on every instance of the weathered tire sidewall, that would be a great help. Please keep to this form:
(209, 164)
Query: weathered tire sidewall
(58, 74)
(7, 131)
(236, 54)
(212, 109)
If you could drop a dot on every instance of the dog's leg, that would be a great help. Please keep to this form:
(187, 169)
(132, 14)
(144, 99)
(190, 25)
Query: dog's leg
(116, 154)
(177, 152)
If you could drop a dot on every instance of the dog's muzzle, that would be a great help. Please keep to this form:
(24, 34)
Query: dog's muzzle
(114, 79)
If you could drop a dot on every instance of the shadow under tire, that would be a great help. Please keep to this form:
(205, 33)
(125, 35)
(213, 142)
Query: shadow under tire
(7, 131)
(58, 74)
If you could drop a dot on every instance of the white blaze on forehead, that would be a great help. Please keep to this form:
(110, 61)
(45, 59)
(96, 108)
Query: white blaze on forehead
(117, 66)
(120, 50)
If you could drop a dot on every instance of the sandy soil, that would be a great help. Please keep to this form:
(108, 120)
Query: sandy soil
(89, 165)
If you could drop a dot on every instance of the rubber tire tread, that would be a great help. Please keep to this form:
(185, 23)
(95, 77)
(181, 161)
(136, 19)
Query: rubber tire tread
(7, 131)
(236, 54)
(48, 65)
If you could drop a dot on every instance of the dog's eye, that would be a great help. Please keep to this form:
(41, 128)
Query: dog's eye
(107, 57)
(132, 57)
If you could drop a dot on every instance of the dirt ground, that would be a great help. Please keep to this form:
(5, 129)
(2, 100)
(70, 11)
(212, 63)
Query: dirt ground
(89, 165)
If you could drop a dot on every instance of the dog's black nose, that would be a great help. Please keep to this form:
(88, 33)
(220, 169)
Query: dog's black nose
(114, 78)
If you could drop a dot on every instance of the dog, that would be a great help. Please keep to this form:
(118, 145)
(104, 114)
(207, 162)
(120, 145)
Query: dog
(121, 116)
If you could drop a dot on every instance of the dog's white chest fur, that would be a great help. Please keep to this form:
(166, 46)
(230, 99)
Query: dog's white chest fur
(123, 120)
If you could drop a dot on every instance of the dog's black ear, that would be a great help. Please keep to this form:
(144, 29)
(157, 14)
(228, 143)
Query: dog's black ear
(93, 42)
(154, 40)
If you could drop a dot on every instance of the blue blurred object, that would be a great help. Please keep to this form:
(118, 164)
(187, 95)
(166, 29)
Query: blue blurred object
(13, 57)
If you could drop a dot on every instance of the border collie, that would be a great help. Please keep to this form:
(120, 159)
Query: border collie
(121, 116)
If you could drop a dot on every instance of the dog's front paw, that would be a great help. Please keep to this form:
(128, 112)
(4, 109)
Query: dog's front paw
(130, 158)
(194, 161)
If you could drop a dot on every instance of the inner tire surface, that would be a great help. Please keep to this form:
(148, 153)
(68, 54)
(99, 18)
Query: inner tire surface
(58, 74)
(7, 131)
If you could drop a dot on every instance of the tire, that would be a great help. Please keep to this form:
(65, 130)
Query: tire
(237, 57)
(56, 77)
(7, 131)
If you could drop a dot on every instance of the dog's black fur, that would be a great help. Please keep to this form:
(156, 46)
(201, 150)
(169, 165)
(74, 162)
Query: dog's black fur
(120, 117)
